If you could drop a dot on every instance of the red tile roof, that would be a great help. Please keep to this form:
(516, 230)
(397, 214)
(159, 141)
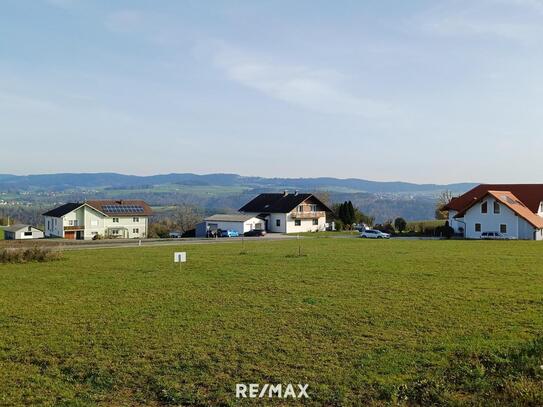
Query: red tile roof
(531, 195)
(512, 202)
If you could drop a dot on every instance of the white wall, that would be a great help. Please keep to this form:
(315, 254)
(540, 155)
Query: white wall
(490, 222)
(53, 227)
(306, 225)
(456, 225)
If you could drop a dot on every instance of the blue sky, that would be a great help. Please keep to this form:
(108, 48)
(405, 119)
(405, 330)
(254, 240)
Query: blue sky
(419, 91)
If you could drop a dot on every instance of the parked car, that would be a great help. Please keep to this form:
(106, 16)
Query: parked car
(255, 232)
(229, 233)
(494, 236)
(374, 234)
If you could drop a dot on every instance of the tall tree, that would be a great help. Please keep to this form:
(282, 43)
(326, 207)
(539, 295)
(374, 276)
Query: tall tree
(186, 217)
(443, 199)
(400, 224)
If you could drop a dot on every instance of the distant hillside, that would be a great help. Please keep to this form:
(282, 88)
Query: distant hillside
(112, 180)
(220, 192)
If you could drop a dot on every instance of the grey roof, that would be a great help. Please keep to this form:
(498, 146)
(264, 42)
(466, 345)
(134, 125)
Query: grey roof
(16, 228)
(229, 217)
(63, 209)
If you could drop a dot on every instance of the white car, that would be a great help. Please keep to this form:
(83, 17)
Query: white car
(374, 234)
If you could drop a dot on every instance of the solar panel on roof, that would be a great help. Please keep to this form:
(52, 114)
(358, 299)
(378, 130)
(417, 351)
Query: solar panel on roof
(123, 208)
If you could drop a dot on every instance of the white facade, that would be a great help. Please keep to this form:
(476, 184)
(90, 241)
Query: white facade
(241, 225)
(292, 222)
(87, 223)
(504, 220)
(22, 232)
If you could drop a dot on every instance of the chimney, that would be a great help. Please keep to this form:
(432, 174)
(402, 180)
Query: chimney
(285, 192)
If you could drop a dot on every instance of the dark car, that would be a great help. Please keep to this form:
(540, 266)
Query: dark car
(255, 232)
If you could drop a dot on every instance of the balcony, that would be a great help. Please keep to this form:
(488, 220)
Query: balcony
(307, 215)
(68, 228)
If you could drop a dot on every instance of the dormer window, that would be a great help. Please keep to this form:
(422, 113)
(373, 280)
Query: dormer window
(484, 207)
(496, 207)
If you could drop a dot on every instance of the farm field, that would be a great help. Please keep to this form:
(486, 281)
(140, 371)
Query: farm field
(360, 321)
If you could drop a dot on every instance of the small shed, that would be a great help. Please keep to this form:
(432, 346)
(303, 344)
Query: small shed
(239, 222)
(17, 232)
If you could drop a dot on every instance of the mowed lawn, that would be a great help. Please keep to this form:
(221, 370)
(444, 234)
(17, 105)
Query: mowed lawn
(361, 322)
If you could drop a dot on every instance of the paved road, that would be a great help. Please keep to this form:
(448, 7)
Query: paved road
(112, 244)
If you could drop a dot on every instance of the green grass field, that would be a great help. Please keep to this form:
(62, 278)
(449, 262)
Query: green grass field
(1, 233)
(362, 322)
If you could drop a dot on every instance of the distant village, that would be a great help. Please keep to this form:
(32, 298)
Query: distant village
(497, 211)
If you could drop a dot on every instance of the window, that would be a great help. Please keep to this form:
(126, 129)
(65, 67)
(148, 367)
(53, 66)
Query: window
(115, 220)
(477, 227)
(300, 208)
(115, 232)
(484, 207)
(503, 228)
(496, 207)
(297, 222)
(315, 221)
(277, 222)
(541, 207)
(48, 225)
(313, 207)
(136, 220)
(71, 222)
(28, 233)
(135, 230)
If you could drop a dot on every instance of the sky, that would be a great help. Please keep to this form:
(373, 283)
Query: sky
(418, 91)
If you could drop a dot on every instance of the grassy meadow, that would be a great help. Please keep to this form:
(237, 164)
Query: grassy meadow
(360, 321)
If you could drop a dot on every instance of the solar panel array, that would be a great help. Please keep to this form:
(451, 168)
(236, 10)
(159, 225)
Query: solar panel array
(120, 209)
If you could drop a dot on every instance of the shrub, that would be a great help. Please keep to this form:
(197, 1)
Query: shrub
(24, 255)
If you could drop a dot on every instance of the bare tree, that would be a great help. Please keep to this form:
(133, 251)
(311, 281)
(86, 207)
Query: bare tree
(185, 216)
(443, 199)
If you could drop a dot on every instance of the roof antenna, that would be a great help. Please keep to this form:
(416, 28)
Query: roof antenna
(296, 192)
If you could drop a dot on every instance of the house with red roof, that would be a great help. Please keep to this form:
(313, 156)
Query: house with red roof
(514, 210)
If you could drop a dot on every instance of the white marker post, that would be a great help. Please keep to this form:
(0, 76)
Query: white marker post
(180, 257)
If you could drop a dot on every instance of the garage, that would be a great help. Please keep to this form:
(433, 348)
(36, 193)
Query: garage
(238, 222)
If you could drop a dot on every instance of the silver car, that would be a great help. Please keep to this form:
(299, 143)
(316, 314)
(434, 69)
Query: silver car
(374, 234)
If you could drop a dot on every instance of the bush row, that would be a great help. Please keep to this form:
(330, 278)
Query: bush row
(24, 255)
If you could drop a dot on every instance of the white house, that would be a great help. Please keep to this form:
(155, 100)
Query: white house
(19, 232)
(288, 212)
(241, 223)
(127, 219)
(515, 210)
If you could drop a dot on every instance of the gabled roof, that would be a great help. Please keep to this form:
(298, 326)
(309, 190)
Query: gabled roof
(279, 203)
(63, 209)
(117, 208)
(121, 207)
(229, 217)
(512, 202)
(530, 195)
(16, 228)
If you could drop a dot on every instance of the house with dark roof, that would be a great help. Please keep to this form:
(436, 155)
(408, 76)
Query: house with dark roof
(128, 219)
(288, 212)
(514, 210)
